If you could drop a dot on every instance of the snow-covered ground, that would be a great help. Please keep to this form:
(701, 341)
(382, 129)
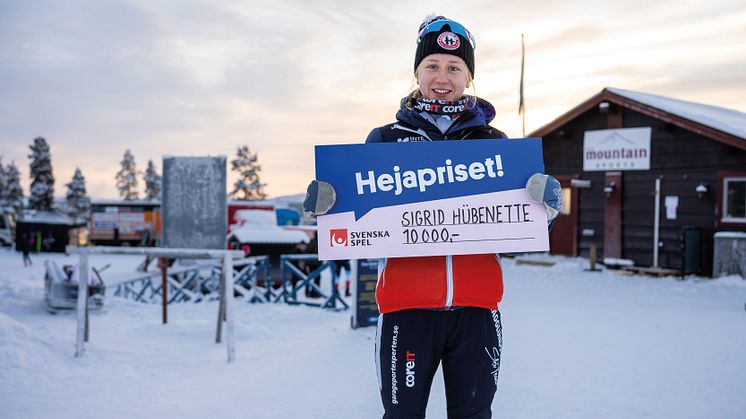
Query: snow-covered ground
(577, 345)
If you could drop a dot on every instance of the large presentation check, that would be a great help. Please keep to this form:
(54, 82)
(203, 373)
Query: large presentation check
(431, 198)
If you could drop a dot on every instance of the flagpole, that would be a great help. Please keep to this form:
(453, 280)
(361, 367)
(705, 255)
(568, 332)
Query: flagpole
(522, 104)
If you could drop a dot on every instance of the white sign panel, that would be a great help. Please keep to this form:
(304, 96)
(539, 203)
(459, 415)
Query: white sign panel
(672, 203)
(617, 149)
(508, 221)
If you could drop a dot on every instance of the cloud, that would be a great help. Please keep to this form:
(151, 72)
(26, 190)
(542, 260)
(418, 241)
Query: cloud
(201, 78)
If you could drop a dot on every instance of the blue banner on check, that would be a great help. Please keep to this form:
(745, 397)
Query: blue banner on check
(367, 176)
(429, 198)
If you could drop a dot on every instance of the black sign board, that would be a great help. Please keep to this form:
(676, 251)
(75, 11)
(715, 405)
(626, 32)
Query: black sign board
(194, 202)
(365, 307)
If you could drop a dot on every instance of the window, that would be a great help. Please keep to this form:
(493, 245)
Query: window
(734, 200)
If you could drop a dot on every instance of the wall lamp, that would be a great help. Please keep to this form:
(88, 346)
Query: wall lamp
(609, 189)
(701, 190)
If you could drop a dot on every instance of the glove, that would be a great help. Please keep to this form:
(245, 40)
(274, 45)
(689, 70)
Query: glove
(320, 198)
(547, 190)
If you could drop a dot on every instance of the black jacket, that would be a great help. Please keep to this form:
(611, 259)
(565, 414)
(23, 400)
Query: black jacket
(410, 126)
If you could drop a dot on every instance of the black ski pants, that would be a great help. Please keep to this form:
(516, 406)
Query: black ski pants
(411, 343)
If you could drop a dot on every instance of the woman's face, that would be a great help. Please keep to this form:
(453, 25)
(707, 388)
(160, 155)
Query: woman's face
(443, 77)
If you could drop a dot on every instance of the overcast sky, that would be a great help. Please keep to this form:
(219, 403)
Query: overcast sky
(197, 78)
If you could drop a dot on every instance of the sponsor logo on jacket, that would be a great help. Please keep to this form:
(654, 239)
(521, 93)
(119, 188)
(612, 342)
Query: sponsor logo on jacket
(411, 139)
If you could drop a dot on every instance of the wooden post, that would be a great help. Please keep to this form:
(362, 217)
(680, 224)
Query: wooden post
(221, 310)
(228, 296)
(594, 257)
(86, 318)
(82, 300)
(163, 262)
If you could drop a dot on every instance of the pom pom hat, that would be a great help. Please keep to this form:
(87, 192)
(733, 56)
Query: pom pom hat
(438, 35)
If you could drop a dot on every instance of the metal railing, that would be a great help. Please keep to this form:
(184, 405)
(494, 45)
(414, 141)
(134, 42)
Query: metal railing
(307, 280)
(225, 311)
(194, 284)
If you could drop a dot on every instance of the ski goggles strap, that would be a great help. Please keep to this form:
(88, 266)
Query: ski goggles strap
(456, 27)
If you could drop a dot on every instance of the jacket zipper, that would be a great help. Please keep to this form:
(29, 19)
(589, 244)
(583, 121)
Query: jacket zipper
(449, 281)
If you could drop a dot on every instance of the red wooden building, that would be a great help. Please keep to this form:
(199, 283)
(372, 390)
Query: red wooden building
(647, 178)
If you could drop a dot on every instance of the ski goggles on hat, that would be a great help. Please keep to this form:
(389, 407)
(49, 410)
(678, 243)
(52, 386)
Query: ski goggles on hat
(455, 28)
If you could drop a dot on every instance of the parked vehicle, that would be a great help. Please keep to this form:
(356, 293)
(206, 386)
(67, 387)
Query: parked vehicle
(7, 230)
(61, 287)
(125, 223)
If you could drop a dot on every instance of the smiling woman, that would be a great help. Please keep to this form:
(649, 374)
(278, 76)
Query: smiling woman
(443, 309)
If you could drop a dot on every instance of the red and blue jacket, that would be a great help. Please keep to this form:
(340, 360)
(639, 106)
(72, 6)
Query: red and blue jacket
(439, 282)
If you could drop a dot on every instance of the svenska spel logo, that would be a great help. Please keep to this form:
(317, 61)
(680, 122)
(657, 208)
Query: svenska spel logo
(338, 237)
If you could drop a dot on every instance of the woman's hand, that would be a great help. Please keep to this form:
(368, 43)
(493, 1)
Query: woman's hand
(320, 198)
(547, 190)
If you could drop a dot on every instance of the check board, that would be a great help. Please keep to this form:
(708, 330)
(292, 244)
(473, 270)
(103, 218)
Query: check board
(431, 198)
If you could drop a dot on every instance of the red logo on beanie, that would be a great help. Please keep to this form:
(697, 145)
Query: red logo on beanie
(449, 41)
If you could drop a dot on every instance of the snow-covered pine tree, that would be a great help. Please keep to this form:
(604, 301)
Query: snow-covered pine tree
(127, 178)
(78, 203)
(41, 194)
(152, 183)
(3, 182)
(3, 187)
(248, 183)
(13, 192)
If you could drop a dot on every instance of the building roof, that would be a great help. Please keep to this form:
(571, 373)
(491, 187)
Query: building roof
(254, 234)
(721, 124)
(123, 203)
(47, 217)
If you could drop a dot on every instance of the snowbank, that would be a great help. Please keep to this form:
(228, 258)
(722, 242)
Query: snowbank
(578, 344)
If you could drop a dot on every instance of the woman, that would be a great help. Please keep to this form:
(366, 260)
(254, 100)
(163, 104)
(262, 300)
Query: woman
(440, 310)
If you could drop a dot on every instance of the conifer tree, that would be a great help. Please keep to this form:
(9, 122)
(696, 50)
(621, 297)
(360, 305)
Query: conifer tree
(13, 192)
(3, 183)
(152, 183)
(127, 178)
(78, 202)
(41, 194)
(248, 185)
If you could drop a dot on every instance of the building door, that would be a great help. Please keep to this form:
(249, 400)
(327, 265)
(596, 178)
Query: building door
(613, 215)
(563, 239)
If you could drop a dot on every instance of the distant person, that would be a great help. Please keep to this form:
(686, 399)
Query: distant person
(344, 263)
(25, 245)
(310, 266)
(33, 242)
(145, 238)
(48, 242)
(299, 249)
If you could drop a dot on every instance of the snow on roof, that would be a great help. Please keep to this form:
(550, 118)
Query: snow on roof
(119, 202)
(721, 119)
(268, 234)
(256, 217)
(46, 217)
(730, 235)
